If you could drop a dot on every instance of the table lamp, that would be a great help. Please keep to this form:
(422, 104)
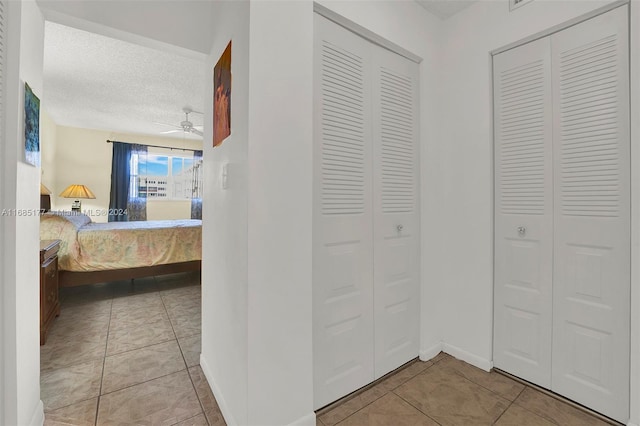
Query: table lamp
(77, 191)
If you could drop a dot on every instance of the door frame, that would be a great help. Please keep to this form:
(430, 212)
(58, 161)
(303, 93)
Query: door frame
(634, 111)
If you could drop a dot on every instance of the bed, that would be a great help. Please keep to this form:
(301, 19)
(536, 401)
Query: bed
(99, 252)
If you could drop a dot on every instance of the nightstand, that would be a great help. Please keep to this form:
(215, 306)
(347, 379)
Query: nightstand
(49, 302)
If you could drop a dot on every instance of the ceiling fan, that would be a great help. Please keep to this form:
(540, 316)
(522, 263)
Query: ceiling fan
(185, 126)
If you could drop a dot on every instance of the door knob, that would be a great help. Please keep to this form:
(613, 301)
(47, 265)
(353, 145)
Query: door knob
(522, 230)
(399, 228)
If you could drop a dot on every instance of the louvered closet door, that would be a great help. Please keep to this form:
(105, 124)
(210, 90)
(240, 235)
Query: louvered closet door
(523, 212)
(396, 210)
(592, 214)
(343, 223)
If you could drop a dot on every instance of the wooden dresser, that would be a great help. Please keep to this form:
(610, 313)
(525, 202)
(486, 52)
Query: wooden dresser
(49, 302)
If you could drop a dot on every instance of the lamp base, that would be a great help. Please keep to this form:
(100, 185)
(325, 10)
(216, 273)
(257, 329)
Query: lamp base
(76, 206)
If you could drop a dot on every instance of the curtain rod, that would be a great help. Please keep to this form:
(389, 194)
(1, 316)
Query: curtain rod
(156, 146)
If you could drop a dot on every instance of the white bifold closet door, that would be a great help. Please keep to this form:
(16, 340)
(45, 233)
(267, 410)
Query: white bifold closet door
(366, 217)
(396, 212)
(524, 212)
(592, 237)
(562, 209)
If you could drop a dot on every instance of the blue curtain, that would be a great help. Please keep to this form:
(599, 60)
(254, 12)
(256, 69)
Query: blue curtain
(196, 185)
(120, 179)
(137, 205)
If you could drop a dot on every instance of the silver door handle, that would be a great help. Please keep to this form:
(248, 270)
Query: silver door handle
(399, 228)
(522, 230)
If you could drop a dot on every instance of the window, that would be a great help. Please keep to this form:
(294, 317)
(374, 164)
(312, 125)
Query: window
(164, 177)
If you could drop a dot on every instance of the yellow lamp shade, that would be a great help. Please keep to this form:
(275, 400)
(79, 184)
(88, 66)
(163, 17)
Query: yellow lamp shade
(77, 191)
(44, 190)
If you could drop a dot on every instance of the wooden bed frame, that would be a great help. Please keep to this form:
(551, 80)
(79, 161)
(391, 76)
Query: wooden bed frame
(72, 279)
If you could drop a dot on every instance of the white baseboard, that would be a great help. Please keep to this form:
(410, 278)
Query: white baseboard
(37, 419)
(224, 408)
(308, 420)
(631, 424)
(429, 353)
(467, 357)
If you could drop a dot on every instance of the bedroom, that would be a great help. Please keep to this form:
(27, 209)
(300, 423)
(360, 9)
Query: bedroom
(101, 97)
(255, 262)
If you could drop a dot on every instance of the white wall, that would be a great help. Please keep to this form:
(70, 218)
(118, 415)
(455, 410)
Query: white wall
(48, 148)
(280, 184)
(410, 26)
(20, 273)
(466, 174)
(83, 156)
(224, 356)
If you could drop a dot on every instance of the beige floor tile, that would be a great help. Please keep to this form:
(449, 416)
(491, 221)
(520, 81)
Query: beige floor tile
(388, 410)
(130, 336)
(68, 385)
(79, 414)
(144, 301)
(342, 410)
(518, 416)
(141, 365)
(451, 399)
(164, 401)
(88, 328)
(208, 401)
(557, 412)
(83, 315)
(190, 347)
(182, 303)
(502, 385)
(397, 378)
(136, 316)
(63, 353)
(186, 325)
(185, 289)
(199, 420)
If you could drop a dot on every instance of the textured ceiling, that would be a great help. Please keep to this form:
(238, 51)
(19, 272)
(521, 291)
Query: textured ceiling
(96, 82)
(445, 8)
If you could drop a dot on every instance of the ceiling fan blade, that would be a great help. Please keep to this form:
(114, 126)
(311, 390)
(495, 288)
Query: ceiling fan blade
(197, 132)
(167, 124)
(171, 131)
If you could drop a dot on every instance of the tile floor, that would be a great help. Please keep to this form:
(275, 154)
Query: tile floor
(126, 354)
(123, 354)
(446, 391)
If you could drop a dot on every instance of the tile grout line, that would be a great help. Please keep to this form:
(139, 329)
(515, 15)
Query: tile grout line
(459, 373)
(142, 383)
(111, 296)
(365, 388)
(206, 419)
(190, 418)
(378, 382)
(422, 412)
(509, 406)
(104, 359)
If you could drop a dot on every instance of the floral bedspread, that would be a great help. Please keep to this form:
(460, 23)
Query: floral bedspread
(88, 246)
